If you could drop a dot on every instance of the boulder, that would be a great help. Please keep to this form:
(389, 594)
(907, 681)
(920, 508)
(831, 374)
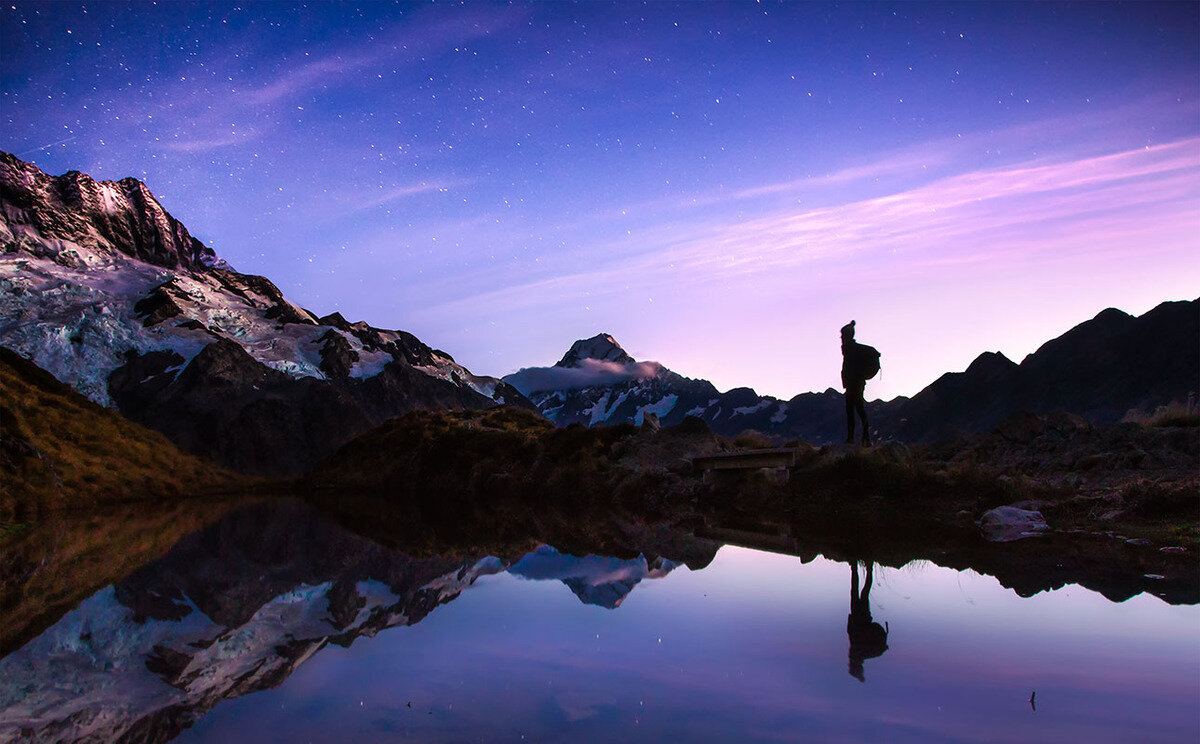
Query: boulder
(1021, 428)
(894, 453)
(1007, 523)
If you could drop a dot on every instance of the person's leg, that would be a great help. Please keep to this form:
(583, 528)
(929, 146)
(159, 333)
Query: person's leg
(850, 415)
(855, 405)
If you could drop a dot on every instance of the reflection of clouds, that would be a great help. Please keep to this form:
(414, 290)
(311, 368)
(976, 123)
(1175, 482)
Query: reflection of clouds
(579, 705)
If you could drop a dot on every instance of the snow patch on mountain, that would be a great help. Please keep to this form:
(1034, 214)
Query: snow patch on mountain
(659, 408)
(79, 322)
(447, 369)
(599, 411)
(747, 410)
(370, 363)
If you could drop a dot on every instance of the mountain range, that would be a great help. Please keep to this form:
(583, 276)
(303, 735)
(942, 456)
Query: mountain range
(104, 289)
(1100, 370)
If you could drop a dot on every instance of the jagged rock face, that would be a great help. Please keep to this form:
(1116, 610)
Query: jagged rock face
(118, 217)
(668, 396)
(337, 357)
(101, 286)
(232, 409)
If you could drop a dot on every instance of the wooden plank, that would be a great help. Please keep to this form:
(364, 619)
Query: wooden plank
(781, 544)
(784, 457)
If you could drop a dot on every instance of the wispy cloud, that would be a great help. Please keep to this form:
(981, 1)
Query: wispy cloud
(204, 144)
(401, 44)
(198, 113)
(588, 372)
(397, 193)
(1009, 213)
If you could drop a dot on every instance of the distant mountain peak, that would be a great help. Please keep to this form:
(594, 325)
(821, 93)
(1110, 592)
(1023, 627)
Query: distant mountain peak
(1113, 315)
(991, 362)
(602, 347)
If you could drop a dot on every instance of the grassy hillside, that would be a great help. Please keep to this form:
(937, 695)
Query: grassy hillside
(59, 450)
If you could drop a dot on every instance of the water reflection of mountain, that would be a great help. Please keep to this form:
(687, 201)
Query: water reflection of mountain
(231, 609)
(595, 579)
(237, 607)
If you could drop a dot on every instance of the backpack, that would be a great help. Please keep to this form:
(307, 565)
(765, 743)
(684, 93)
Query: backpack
(868, 360)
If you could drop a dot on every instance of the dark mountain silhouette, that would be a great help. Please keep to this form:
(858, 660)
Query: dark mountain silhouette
(111, 294)
(1100, 369)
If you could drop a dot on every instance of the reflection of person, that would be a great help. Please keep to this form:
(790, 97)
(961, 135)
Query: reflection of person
(868, 639)
(854, 380)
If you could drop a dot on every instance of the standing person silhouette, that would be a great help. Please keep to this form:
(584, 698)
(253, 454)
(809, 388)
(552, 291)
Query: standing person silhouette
(854, 379)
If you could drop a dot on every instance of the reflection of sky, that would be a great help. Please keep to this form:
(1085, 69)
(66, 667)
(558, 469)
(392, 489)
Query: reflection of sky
(753, 647)
(720, 185)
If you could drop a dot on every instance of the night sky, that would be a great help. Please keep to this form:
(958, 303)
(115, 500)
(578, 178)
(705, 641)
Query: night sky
(720, 186)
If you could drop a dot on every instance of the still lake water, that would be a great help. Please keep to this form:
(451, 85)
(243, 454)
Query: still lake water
(244, 634)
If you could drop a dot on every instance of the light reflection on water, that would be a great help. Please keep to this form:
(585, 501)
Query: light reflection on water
(752, 647)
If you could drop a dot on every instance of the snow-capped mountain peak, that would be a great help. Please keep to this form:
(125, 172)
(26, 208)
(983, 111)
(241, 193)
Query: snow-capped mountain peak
(601, 347)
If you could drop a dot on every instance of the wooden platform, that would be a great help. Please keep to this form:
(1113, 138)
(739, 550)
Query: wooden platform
(747, 460)
(781, 457)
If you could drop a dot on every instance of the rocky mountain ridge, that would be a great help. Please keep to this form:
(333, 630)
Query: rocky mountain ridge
(102, 287)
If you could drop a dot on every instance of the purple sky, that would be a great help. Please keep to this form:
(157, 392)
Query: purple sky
(720, 186)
